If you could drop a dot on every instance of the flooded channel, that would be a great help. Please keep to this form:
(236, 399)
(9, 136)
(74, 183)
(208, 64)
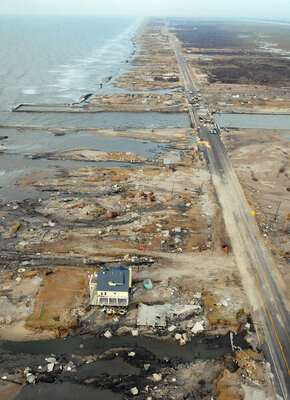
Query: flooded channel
(206, 348)
(40, 142)
(252, 121)
(65, 391)
(96, 120)
(158, 352)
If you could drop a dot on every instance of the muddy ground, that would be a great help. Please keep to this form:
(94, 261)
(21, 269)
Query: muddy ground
(136, 371)
(159, 216)
(96, 217)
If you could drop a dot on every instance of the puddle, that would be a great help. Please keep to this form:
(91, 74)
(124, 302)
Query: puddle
(116, 366)
(16, 194)
(96, 120)
(252, 121)
(15, 166)
(272, 47)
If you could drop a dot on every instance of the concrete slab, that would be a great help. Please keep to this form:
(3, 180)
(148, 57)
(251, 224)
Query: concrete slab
(155, 315)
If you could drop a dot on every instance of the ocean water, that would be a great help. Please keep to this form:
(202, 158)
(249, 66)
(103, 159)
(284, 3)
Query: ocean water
(56, 59)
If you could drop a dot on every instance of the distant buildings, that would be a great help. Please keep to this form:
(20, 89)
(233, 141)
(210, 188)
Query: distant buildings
(111, 287)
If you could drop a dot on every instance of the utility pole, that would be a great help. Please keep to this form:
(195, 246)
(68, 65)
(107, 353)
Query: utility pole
(200, 189)
(286, 222)
(172, 188)
(277, 210)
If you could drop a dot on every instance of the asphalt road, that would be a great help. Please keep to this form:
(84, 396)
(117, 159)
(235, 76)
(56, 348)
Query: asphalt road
(256, 264)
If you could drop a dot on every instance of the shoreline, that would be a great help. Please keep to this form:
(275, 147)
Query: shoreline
(164, 221)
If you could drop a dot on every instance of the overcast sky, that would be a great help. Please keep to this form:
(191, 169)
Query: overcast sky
(271, 9)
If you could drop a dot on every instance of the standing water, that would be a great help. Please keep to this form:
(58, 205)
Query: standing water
(252, 121)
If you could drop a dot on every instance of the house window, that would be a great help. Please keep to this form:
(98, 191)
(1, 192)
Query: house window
(105, 293)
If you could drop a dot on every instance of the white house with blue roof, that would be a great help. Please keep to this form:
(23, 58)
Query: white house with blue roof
(111, 287)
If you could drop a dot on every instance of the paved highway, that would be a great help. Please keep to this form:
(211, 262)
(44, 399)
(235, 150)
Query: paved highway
(256, 265)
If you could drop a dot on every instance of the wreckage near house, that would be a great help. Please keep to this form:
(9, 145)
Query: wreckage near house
(111, 288)
(158, 314)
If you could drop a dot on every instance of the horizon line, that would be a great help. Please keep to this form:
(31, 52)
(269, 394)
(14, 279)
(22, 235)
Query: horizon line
(148, 17)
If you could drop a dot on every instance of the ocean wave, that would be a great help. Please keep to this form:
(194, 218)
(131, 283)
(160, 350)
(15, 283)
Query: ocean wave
(104, 61)
(92, 48)
(29, 90)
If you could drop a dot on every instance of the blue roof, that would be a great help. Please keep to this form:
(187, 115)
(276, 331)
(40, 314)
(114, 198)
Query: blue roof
(113, 280)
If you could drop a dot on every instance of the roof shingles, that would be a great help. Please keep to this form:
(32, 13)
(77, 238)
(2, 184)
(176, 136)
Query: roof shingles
(113, 280)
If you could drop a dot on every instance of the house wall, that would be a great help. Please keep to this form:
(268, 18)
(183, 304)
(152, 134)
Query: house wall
(110, 297)
(112, 293)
